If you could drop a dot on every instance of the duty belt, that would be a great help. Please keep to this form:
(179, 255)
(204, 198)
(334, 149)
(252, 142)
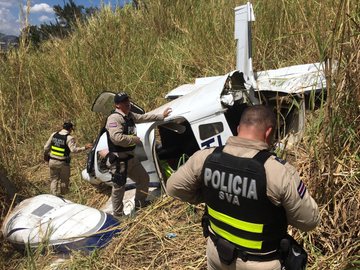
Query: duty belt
(64, 160)
(245, 256)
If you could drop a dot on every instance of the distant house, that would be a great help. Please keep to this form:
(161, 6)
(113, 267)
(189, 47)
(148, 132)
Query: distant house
(8, 41)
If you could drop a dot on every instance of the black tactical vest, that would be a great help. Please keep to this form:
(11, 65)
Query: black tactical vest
(59, 146)
(239, 210)
(128, 129)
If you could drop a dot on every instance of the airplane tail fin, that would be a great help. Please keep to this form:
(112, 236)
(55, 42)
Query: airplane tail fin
(244, 15)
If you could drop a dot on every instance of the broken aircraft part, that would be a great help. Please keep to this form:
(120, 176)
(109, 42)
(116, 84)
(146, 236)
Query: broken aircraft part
(206, 113)
(48, 220)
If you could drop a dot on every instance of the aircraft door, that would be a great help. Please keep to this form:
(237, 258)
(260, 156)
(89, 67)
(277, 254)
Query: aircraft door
(104, 104)
(144, 153)
(212, 131)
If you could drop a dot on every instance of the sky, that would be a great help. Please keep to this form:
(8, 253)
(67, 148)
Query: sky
(40, 12)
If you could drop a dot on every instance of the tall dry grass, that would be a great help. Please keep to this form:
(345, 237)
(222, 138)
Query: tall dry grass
(149, 51)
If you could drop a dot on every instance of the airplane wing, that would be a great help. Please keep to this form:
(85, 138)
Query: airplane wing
(293, 80)
(184, 89)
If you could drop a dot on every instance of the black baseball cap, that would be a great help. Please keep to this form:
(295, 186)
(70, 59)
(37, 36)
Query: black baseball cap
(119, 97)
(68, 125)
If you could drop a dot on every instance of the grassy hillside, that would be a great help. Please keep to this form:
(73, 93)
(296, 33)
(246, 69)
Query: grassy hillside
(149, 51)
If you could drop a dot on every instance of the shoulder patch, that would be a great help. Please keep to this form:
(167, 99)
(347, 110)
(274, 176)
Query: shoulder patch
(280, 160)
(113, 125)
(301, 189)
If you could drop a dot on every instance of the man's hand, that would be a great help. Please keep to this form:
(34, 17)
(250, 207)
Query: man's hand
(88, 146)
(167, 112)
(136, 140)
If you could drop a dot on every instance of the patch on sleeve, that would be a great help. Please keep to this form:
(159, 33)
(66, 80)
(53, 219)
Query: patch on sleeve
(280, 160)
(113, 125)
(301, 189)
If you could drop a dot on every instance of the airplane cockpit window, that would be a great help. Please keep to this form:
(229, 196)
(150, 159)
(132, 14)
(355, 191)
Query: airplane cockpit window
(42, 210)
(210, 130)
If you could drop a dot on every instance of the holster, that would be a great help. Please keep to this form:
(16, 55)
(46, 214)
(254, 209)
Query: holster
(46, 157)
(68, 160)
(205, 225)
(226, 250)
(120, 175)
(293, 256)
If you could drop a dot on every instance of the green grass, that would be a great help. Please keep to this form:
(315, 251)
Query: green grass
(150, 51)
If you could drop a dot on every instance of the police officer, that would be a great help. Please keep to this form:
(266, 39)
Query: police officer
(250, 196)
(122, 140)
(57, 152)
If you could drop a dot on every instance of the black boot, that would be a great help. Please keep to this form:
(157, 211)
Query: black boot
(141, 204)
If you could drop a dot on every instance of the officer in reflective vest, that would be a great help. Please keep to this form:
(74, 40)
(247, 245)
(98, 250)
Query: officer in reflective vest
(122, 140)
(57, 153)
(250, 196)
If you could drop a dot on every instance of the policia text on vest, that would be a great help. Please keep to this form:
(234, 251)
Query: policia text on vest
(59, 148)
(230, 186)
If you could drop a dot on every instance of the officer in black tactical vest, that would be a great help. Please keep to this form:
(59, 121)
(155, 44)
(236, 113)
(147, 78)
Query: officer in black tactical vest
(57, 153)
(251, 196)
(121, 160)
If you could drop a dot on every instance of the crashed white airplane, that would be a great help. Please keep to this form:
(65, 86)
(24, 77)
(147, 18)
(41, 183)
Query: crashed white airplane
(206, 113)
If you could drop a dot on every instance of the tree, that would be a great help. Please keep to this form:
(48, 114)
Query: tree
(69, 15)
(67, 19)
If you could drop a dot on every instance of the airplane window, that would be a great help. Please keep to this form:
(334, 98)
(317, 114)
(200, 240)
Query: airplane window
(209, 130)
(42, 210)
